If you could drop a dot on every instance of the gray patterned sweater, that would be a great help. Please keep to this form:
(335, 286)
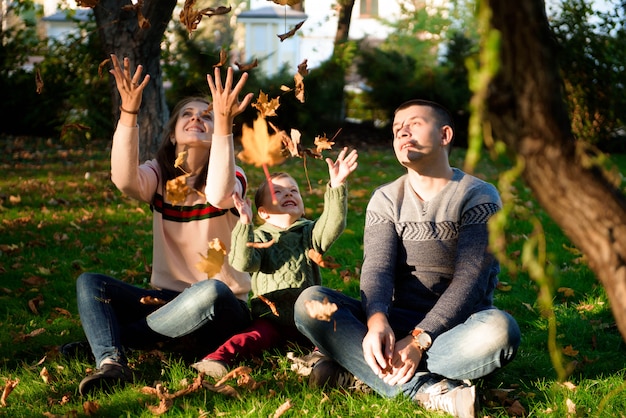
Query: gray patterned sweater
(430, 257)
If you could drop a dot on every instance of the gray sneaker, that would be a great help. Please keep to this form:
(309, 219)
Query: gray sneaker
(213, 368)
(455, 398)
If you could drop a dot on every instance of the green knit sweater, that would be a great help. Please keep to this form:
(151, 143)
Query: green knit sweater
(281, 271)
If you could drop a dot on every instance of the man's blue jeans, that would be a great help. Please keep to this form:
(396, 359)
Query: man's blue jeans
(485, 342)
(113, 315)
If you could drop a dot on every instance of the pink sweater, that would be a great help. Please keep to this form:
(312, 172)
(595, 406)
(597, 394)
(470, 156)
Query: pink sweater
(181, 234)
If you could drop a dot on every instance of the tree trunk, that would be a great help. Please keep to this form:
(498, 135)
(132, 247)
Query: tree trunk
(343, 23)
(121, 35)
(527, 111)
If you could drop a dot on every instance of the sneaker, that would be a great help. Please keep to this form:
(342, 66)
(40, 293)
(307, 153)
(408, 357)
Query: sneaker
(304, 365)
(106, 378)
(76, 349)
(328, 373)
(457, 399)
(214, 368)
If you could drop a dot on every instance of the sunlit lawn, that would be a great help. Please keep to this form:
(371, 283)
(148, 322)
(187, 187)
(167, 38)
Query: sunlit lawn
(61, 215)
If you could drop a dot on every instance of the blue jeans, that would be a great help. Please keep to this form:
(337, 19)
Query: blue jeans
(113, 316)
(485, 342)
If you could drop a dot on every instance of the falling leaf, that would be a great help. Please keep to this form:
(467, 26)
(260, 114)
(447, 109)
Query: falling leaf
(260, 244)
(223, 59)
(320, 261)
(190, 17)
(181, 159)
(247, 67)
(8, 388)
(87, 3)
(287, 2)
(259, 147)
(176, 190)
(269, 303)
(211, 264)
(286, 406)
(101, 66)
(567, 292)
(320, 310)
(298, 78)
(266, 107)
(291, 32)
(150, 300)
(141, 19)
(38, 81)
(323, 143)
(569, 351)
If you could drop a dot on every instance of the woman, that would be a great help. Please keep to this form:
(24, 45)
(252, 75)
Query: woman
(115, 314)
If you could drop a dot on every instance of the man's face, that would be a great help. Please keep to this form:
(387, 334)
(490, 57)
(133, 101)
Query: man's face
(416, 134)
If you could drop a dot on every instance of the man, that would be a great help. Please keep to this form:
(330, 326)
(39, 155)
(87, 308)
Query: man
(426, 321)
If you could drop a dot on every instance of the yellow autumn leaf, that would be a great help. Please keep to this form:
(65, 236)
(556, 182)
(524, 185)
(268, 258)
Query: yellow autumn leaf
(265, 106)
(181, 159)
(259, 147)
(320, 310)
(211, 264)
(176, 190)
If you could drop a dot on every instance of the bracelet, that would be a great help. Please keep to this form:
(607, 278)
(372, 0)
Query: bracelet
(136, 112)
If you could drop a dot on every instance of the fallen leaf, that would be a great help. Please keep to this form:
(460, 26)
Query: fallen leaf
(35, 303)
(286, 406)
(90, 407)
(569, 351)
(571, 406)
(269, 303)
(150, 300)
(567, 292)
(8, 388)
(45, 375)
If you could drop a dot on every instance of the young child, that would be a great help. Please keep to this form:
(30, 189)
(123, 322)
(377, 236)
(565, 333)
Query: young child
(279, 259)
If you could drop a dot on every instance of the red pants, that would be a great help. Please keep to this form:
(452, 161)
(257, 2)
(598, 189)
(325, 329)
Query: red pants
(260, 336)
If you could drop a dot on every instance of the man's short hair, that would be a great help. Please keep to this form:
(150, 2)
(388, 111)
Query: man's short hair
(443, 115)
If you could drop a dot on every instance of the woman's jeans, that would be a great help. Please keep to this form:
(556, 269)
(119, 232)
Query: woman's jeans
(485, 342)
(115, 314)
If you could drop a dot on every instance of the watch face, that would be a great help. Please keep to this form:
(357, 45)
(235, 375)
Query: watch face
(424, 340)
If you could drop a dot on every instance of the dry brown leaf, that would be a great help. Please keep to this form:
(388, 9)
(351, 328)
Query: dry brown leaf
(320, 310)
(35, 303)
(516, 409)
(45, 375)
(150, 300)
(291, 32)
(298, 78)
(260, 244)
(259, 147)
(38, 81)
(286, 406)
(101, 66)
(141, 19)
(247, 67)
(323, 143)
(211, 264)
(223, 389)
(164, 405)
(567, 292)
(569, 351)
(90, 407)
(269, 303)
(223, 59)
(320, 261)
(87, 3)
(191, 17)
(35, 281)
(287, 2)
(8, 388)
(266, 107)
(233, 374)
(181, 159)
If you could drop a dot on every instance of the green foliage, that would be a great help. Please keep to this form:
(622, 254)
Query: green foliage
(74, 103)
(592, 57)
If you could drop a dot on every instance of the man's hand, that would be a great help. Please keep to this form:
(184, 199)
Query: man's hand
(406, 358)
(378, 344)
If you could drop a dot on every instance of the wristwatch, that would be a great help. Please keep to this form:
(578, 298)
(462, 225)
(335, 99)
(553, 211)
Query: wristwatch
(421, 338)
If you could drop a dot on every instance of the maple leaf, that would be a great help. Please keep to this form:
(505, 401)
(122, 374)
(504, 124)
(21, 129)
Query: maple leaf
(266, 107)
(259, 147)
(38, 81)
(223, 59)
(211, 264)
(141, 19)
(247, 67)
(176, 190)
(323, 143)
(291, 32)
(320, 310)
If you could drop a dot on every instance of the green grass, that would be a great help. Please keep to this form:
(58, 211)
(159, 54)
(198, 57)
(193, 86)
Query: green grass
(60, 215)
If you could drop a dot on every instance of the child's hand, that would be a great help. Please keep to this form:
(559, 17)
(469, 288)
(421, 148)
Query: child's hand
(341, 169)
(244, 207)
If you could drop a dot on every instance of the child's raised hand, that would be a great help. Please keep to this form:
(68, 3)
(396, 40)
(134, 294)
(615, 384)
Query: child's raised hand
(340, 169)
(244, 207)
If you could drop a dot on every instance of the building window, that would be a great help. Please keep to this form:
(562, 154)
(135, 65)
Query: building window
(369, 8)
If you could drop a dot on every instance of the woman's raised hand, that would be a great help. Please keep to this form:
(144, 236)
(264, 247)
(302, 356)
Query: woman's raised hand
(129, 85)
(226, 104)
